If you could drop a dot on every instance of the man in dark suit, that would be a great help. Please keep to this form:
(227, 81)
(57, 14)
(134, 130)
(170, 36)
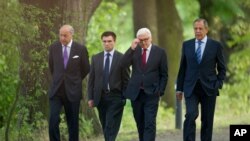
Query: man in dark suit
(201, 74)
(68, 64)
(147, 83)
(107, 82)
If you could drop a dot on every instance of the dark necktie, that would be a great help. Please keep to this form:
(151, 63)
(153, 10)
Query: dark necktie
(143, 58)
(198, 52)
(106, 72)
(65, 56)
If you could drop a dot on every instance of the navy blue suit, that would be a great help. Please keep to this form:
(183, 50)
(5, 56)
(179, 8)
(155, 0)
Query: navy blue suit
(145, 87)
(200, 84)
(66, 87)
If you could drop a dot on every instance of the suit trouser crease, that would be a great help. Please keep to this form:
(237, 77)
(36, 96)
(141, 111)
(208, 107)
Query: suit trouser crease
(72, 116)
(207, 114)
(145, 109)
(110, 110)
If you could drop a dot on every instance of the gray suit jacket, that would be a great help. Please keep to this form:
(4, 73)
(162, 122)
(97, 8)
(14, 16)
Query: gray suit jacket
(118, 77)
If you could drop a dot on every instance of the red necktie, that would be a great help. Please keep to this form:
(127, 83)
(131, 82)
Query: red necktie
(143, 58)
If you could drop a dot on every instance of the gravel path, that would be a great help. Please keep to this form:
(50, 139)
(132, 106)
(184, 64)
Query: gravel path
(176, 135)
(221, 134)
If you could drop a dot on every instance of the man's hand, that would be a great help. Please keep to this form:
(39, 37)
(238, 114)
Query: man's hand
(179, 95)
(135, 43)
(91, 103)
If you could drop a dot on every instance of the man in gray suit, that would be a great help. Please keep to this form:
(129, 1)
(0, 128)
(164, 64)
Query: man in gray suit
(107, 81)
(68, 64)
(147, 83)
(201, 74)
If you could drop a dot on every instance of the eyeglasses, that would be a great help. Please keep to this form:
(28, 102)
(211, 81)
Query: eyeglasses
(144, 40)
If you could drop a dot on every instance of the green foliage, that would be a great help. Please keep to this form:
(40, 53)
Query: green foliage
(85, 128)
(9, 55)
(188, 14)
(240, 30)
(234, 99)
(23, 54)
(227, 10)
(236, 90)
(113, 17)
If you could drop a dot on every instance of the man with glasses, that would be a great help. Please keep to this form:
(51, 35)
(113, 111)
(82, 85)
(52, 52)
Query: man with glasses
(148, 81)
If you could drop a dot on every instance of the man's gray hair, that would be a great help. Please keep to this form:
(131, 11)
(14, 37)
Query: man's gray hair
(69, 27)
(201, 20)
(143, 31)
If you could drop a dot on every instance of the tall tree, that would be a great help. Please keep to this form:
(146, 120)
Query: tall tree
(144, 15)
(170, 37)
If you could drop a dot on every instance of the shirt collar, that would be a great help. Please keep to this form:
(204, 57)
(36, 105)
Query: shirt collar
(111, 52)
(69, 44)
(204, 40)
(148, 49)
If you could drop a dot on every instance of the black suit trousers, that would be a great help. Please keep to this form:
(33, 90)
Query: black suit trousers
(110, 111)
(145, 109)
(207, 114)
(72, 115)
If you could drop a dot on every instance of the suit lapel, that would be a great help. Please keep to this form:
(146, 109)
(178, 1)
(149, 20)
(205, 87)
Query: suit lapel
(114, 62)
(139, 55)
(150, 57)
(192, 50)
(100, 64)
(205, 50)
(58, 51)
(72, 52)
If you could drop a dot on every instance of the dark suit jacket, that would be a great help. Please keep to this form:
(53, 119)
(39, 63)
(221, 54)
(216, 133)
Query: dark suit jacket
(211, 71)
(154, 77)
(77, 68)
(118, 77)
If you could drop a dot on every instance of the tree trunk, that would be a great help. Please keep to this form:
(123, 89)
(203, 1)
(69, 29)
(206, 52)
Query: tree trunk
(144, 15)
(170, 37)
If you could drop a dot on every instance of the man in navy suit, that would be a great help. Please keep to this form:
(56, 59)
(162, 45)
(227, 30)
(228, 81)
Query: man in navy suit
(107, 82)
(148, 81)
(201, 74)
(68, 64)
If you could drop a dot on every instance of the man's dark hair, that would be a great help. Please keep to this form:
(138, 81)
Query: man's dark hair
(108, 33)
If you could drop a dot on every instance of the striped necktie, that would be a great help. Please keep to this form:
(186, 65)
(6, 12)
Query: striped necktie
(198, 52)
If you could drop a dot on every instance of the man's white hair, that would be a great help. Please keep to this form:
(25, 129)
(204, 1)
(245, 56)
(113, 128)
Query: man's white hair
(69, 28)
(143, 31)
